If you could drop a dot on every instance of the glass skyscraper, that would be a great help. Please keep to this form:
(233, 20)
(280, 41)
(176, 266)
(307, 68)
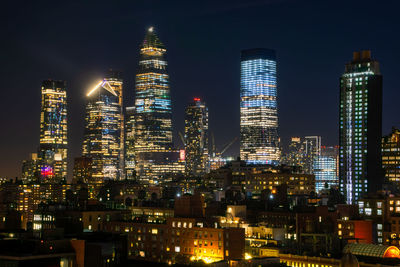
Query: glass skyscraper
(360, 127)
(325, 168)
(102, 136)
(53, 131)
(154, 152)
(259, 141)
(196, 138)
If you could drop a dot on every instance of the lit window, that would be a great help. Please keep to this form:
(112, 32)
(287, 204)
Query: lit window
(177, 249)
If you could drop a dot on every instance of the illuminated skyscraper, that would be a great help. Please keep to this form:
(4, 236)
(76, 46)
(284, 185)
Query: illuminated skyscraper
(53, 131)
(312, 150)
(196, 138)
(153, 118)
(259, 141)
(360, 127)
(295, 154)
(391, 156)
(325, 168)
(103, 126)
(130, 143)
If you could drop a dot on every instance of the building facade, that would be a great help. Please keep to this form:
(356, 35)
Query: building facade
(259, 141)
(130, 143)
(360, 125)
(391, 156)
(102, 135)
(312, 150)
(53, 131)
(196, 138)
(325, 169)
(154, 152)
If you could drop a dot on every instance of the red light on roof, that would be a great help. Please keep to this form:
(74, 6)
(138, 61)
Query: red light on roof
(196, 99)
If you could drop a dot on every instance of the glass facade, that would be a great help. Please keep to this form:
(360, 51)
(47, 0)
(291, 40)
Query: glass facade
(360, 127)
(102, 136)
(259, 141)
(53, 131)
(153, 117)
(196, 138)
(325, 169)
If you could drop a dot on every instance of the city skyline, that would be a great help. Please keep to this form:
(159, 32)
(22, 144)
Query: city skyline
(18, 152)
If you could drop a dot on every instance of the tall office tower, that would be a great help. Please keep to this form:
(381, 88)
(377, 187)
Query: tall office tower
(391, 156)
(326, 168)
(153, 119)
(53, 131)
(130, 143)
(196, 138)
(102, 135)
(360, 127)
(259, 141)
(114, 79)
(312, 150)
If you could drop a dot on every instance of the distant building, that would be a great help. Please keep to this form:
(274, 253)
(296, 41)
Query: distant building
(391, 156)
(312, 150)
(325, 168)
(130, 143)
(31, 169)
(196, 138)
(154, 153)
(53, 131)
(360, 127)
(102, 135)
(295, 153)
(259, 140)
(82, 170)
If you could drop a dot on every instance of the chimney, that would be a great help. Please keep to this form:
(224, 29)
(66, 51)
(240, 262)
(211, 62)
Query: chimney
(356, 56)
(366, 54)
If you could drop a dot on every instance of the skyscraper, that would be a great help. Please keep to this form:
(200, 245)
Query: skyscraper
(102, 135)
(130, 143)
(295, 153)
(259, 141)
(360, 127)
(196, 138)
(391, 156)
(325, 168)
(153, 118)
(53, 131)
(312, 150)
(114, 79)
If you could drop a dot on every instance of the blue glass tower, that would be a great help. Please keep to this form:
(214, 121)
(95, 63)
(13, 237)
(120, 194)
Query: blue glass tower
(259, 141)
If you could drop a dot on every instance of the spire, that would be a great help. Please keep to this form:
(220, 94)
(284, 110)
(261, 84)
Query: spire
(152, 40)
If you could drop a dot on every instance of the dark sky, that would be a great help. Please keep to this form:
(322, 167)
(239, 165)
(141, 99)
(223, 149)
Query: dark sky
(79, 42)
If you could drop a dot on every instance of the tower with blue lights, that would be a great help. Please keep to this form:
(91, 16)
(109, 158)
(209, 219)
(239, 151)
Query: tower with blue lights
(154, 152)
(259, 140)
(360, 132)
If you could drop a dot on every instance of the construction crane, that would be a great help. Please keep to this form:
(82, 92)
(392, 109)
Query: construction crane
(182, 138)
(228, 145)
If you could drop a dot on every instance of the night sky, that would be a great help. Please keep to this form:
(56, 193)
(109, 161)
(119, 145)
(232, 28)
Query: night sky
(79, 42)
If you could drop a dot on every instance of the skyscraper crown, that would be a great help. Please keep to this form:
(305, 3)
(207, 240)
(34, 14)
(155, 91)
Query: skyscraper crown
(152, 40)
